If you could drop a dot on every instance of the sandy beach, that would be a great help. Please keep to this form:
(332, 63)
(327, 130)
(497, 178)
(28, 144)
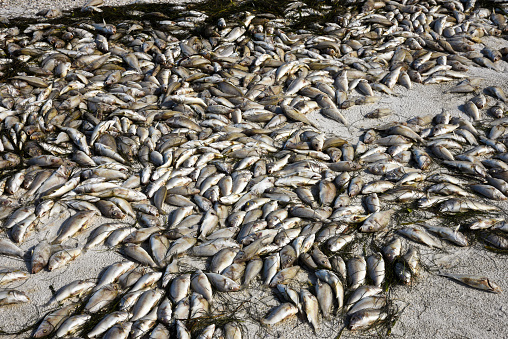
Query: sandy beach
(432, 307)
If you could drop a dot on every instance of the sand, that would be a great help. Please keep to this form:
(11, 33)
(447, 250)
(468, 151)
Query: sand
(29, 8)
(433, 306)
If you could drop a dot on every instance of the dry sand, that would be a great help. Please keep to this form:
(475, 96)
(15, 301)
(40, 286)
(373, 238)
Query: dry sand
(433, 306)
(29, 8)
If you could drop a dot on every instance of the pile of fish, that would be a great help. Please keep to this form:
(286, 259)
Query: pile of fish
(206, 147)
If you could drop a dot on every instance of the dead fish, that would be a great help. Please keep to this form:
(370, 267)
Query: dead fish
(366, 318)
(478, 282)
(10, 296)
(280, 313)
(379, 113)
(311, 306)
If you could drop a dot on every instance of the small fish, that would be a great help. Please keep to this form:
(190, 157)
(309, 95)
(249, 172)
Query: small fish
(9, 296)
(311, 307)
(475, 281)
(280, 313)
(366, 318)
